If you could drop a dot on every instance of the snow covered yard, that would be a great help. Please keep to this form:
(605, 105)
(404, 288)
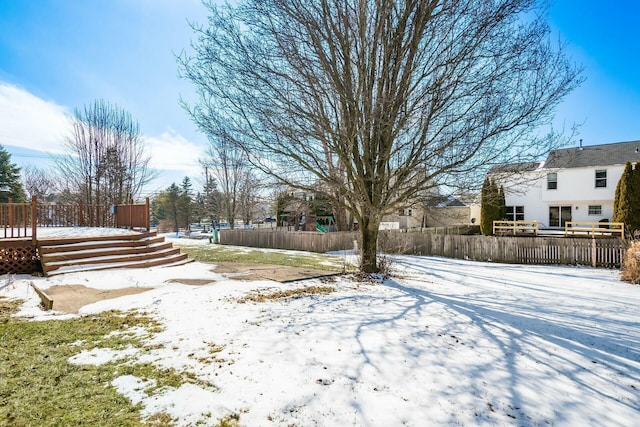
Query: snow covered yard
(445, 342)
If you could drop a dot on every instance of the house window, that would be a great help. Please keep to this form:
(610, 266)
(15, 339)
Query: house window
(409, 212)
(552, 181)
(595, 209)
(601, 178)
(514, 213)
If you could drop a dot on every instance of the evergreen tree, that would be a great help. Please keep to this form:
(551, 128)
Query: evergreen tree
(212, 200)
(175, 205)
(186, 202)
(492, 206)
(10, 185)
(486, 217)
(502, 204)
(623, 204)
(634, 198)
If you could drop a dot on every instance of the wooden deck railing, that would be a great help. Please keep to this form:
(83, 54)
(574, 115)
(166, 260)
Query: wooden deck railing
(594, 228)
(21, 220)
(15, 219)
(515, 227)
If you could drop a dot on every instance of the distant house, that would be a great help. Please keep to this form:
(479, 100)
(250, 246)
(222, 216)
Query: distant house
(433, 212)
(573, 184)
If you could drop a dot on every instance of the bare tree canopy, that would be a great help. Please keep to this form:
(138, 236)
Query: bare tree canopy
(228, 164)
(107, 162)
(40, 183)
(372, 102)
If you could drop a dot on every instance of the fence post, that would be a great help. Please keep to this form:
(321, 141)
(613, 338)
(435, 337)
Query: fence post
(147, 219)
(11, 215)
(34, 220)
(594, 253)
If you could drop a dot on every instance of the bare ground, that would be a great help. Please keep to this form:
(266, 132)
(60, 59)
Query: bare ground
(70, 298)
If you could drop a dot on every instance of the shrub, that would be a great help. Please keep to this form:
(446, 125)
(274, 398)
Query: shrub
(631, 264)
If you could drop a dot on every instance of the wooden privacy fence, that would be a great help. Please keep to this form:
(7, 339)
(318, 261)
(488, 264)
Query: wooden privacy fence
(293, 240)
(600, 252)
(131, 215)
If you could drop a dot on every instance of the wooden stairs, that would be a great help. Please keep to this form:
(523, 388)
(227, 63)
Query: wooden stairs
(142, 250)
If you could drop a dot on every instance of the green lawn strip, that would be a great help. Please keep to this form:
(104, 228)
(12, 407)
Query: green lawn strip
(217, 253)
(38, 385)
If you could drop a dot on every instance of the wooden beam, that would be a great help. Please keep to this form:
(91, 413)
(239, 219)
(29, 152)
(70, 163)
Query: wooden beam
(47, 302)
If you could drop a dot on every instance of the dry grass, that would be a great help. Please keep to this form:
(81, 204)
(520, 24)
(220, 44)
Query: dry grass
(40, 386)
(221, 253)
(631, 264)
(262, 296)
(9, 307)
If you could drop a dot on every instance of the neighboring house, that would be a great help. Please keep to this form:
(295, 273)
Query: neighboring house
(434, 212)
(573, 184)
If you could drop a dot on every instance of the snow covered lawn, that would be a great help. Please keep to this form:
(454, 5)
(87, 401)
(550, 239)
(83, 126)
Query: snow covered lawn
(445, 342)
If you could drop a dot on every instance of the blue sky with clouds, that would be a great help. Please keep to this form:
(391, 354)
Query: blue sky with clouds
(56, 55)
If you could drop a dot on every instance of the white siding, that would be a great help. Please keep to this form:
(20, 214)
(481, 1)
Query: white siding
(579, 184)
(576, 188)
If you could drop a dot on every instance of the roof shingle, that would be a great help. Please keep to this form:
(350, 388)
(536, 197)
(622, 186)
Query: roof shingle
(594, 155)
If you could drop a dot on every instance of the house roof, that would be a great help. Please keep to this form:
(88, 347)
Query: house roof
(444, 202)
(594, 155)
(514, 167)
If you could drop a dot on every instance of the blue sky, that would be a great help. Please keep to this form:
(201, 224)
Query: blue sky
(56, 55)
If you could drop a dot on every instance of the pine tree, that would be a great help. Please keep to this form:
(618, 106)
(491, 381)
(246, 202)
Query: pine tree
(633, 190)
(502, 202)
(622, 203)
(10, 185)
(487, 207)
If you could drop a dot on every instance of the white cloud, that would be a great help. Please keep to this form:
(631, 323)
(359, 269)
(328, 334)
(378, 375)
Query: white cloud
(30, 122)
(173, 156)
(172, 151)
(27, 121)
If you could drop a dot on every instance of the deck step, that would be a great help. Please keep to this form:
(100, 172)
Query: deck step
(173, 261)
(71, 240)
(106, 252)
(119, 250)
(91, 244)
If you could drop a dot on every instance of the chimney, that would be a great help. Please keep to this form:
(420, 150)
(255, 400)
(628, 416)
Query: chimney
(580, 144)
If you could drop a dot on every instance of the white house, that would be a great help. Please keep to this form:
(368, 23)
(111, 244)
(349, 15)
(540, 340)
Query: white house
(573, 184)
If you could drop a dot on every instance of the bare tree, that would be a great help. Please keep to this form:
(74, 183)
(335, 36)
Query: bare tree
(228, 163)
(378, 100)
(40, 183)
(248, 196)
(107, 162)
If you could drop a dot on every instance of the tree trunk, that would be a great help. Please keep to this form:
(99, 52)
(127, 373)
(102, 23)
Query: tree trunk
(340, 217)
(369, 231)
